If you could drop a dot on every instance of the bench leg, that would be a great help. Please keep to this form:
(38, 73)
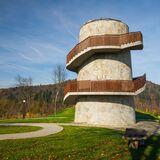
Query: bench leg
(133, 144)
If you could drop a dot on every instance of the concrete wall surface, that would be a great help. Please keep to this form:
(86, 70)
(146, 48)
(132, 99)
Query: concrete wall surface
(103, 66)
(101, 27)
(105, 110)
(116, 110)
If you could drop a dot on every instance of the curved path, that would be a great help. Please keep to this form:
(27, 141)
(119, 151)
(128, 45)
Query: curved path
(47, 129)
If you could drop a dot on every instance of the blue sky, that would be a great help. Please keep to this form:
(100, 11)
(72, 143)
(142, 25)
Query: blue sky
(35, 35)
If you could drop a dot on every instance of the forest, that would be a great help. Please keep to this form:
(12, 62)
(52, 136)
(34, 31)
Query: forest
(42, 100)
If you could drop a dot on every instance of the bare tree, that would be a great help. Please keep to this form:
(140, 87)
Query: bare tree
(59, 76)
(25, 93)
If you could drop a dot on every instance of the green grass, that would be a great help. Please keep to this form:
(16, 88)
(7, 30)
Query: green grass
(141, 116)
(65, 116)
(75, 143)
(17, 129)
(72, 143)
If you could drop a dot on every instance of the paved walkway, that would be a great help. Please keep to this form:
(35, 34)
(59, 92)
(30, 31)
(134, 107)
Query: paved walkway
(47, 129)
(150, 126)
(52, 128)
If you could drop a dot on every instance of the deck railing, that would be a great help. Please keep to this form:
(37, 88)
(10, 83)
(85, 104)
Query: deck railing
(105, 85)
(104, 40)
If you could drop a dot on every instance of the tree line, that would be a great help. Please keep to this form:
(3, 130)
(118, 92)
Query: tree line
(26, 100)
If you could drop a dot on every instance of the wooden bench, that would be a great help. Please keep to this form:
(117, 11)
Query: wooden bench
(135, 137)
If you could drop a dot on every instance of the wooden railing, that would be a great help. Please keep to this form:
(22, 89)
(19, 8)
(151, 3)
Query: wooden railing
(105, 85)
(104, 40)
(139, 82)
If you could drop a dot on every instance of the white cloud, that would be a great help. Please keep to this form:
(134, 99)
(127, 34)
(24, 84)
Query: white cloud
(66, 23)
(37, 51)
(24, 56)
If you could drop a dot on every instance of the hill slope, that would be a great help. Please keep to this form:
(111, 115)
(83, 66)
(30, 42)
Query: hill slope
(42, 101)
(149, 100)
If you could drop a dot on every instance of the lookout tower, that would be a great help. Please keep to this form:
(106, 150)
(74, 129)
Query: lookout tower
(104, 89)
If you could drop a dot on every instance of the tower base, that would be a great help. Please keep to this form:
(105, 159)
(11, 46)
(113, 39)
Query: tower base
(117, 111)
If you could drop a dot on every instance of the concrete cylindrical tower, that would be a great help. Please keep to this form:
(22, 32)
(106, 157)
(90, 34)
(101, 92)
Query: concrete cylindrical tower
(101, 27)
(107, 109)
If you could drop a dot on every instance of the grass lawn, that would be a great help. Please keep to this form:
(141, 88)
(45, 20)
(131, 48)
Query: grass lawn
(18, 129)
(67, 115)
(75, 143)
(141, 116)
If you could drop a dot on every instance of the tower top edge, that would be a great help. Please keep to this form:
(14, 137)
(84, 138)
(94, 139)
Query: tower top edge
(103, 19)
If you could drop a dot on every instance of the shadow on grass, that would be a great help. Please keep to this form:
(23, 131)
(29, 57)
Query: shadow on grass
(151, 150)
(144, 117)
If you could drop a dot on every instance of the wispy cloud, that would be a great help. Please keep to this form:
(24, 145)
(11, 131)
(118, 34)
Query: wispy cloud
(15, 66)
(50, 46)
(18, 52)
(37, 51)
(24, 56)
(64, 21)
(34, 51)
(38, 35)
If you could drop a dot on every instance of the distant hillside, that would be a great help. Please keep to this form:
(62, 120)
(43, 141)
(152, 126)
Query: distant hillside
(149, 100)
(42, 101)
